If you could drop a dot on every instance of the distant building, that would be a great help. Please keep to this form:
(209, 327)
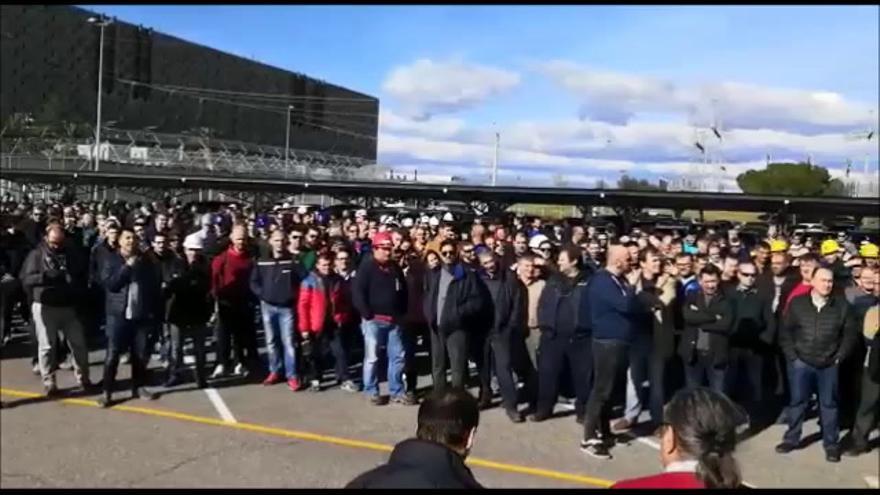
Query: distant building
(49, 70)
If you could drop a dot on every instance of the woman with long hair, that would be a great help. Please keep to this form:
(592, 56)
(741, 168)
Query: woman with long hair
(697, 441)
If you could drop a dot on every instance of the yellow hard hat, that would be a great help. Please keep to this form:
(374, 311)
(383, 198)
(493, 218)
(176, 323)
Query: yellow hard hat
(869, 250)
(778, 246)
(829, 246)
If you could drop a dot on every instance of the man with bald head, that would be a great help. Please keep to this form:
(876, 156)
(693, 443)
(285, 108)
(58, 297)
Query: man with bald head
(609, 307)
(818, 332)
(56, 275)
(230, 286)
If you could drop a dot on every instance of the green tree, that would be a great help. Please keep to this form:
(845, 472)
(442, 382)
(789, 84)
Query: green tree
(632, 184)
(792, 179)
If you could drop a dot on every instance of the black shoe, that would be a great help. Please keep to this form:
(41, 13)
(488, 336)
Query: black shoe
(377, 400)
(485, 403)
(595, 448)
(172, 381)
(514, 415)
(580, 418)
(406, 400)
(538, 417)
(832, 454)
(201, 384)
(785, 448)
(51, 390)
(86, 387)
(105, 400)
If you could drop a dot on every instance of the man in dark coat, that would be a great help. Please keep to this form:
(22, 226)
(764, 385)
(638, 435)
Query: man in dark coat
(447, 426)
(704, 345)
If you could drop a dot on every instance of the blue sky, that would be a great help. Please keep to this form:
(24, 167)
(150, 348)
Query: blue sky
(578, 93)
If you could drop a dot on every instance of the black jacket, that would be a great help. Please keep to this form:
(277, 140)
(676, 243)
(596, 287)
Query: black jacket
(54, 279)
(117, 276)
(819, 338)
(100, 253)
(559, 290)
(379, 291)
(662, 301)
(874, 359)
(465, 307)
(276, 281)
(716, 319)
(419, 464)
(767, 289)
(507, 313)
(188, 294)
(754, 324)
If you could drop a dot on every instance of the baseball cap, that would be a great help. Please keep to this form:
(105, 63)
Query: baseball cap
(829, 246)
(869, 250)
(380, 238)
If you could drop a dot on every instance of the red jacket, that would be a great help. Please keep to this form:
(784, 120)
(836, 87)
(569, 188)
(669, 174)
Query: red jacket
(799, 290)
(230, 276)
(312, 309)
(679, 480)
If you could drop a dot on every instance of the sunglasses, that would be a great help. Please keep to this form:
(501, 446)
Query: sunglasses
(747, 274)
(447, 253)
(467, 251)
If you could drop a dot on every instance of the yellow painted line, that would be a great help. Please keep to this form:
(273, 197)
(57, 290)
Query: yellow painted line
(314, 437)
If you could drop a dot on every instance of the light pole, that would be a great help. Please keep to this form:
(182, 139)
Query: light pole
(495, 161)
(287, 141)
(101, 22)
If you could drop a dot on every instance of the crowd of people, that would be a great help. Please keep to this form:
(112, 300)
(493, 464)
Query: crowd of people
(541, 310)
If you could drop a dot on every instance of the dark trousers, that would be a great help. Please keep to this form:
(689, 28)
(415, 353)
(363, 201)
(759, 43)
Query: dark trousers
(126, 336)
(236, 326)
(869, 409)
(455, 347)
(804, 379)
(480, 352)
(177, 336)
(555, 350)
(410, 335)
(745, 375)
(315, 351)
(8, 297)
(660, 366)
(507, 353)
(703, 372)
(609, 359)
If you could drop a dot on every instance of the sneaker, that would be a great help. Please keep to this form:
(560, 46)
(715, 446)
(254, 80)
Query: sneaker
(36, 369)
(315, 386)
(856, 450)
(595, 448)
(67, 365)
(144, 392)
(105, 401)
(349, 386)
(50, 390)
(86, 386)
(241, 370)
(404, 400)
(294, 385)
(785, 448)
(272, 379)
(539, 417)
(219, 371)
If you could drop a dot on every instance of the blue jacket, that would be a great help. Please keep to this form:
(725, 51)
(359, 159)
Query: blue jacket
(612, 312)
(277, 282)
(563, 290)
(116, 277)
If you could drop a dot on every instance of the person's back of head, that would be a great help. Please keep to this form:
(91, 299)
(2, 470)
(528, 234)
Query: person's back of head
(449, 418)
(700, 425)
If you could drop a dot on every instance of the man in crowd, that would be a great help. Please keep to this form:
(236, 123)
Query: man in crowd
(529, 276)
(708, 318)
(133, 282)
(817, 334)
(55, 275)
(447, 426)
(565, 336)
(453, 303)
(380, 296)
(610, 306)
(230, 277)
(275, 282)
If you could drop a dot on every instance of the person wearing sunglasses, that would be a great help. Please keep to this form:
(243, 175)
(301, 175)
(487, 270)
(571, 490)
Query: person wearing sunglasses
(697, 442)
(453, 300)
(751, 340)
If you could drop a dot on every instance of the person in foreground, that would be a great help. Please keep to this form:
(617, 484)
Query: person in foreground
(697, 440)
(435, 458)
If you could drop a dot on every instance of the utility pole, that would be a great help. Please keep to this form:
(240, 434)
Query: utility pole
(495, 161)
(102, 22)
(287, 140)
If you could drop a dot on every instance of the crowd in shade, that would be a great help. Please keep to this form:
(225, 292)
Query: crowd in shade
(694, 332)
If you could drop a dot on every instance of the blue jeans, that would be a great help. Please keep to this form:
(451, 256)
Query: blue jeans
(278, 324)
(377, 335)
(637, 374)
(703, 372)
(803, 379)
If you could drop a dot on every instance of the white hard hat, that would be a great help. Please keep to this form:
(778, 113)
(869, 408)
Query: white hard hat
(286, 206)
(433, 221)
(447, 217)
(425, 219)
(408, 222)
(536, 241)
(194, 241)
(302, 210)
(360, 213)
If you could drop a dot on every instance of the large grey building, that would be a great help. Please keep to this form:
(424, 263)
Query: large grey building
(49, 71)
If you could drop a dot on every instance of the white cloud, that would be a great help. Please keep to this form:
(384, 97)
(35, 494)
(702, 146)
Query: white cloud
(425, 87)
(617, 98)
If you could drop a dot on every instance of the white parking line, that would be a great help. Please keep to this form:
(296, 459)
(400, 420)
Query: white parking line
(872, 482)
(220, 406)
